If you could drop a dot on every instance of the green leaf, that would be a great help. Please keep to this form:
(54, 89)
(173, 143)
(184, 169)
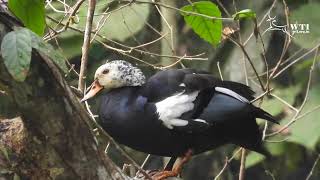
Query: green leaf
(305, 131)
(16, 53)
(307, 14)
(243, 14)
(31, 13)
(208, 29)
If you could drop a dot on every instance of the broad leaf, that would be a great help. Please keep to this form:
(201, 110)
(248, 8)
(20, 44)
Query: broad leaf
(208, 29)
(246, 13)
(16, 52)
(31, 13)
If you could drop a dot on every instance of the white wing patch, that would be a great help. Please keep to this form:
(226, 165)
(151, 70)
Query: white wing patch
(171, 108)
(201, 120)
(232, 94)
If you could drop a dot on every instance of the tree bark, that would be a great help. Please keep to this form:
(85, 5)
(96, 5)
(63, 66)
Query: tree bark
(56, 141)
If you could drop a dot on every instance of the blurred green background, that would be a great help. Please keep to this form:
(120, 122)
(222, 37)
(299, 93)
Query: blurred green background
(124, 27)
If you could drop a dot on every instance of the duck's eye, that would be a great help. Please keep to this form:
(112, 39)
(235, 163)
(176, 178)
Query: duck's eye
(106, 71)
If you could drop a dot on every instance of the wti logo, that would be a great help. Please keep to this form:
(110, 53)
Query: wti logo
(295, 28)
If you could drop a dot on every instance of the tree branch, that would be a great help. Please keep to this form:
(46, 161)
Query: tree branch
(86, 45)
(58, 128)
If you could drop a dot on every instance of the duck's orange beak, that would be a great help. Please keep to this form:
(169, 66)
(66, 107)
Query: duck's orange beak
(94, 89)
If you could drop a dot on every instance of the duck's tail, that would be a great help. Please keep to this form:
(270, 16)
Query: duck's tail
(259, 113)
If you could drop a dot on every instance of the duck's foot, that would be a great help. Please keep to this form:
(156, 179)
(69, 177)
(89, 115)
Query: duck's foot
(176, 170)
(165, 174)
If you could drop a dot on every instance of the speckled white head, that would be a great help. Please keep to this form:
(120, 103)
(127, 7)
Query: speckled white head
(115, 74)
(119, 73)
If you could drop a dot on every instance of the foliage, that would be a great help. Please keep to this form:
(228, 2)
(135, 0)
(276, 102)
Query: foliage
(243, 14)
(208, 29)
(16, 50)
(123, 23)
(31, 13)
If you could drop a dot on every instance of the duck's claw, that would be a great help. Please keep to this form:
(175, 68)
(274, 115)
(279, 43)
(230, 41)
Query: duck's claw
(176, 170)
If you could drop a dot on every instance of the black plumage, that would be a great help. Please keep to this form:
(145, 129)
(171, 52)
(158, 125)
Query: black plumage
(221, 113)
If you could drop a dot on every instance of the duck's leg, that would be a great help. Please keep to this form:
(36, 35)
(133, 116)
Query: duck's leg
(177, 168)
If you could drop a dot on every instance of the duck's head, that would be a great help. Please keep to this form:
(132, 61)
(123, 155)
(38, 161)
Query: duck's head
(115, 74)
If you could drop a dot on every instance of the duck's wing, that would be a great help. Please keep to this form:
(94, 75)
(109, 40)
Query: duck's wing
(168, 82)
(191, 100)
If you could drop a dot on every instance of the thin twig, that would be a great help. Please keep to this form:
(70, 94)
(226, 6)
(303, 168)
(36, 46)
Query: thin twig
(294, 119)
(261, 21)
(86, 45)
(263, 56)
(169, 27)
(180, 10)
(248, 58)
(289, 59)
(244, 62)
(308, 112)
(284, 102)
(264, 132)
(270, 174)
(228, 161)
(173, 64)
(277, 141)
(295, 61)
(313, 167)
(286, 42)
(74, 11)
(117, 146)
(223, 168)
(129, 49)
(220, 73)
(242, 164)
(223, 8)
(261, 95)
(145, 161)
